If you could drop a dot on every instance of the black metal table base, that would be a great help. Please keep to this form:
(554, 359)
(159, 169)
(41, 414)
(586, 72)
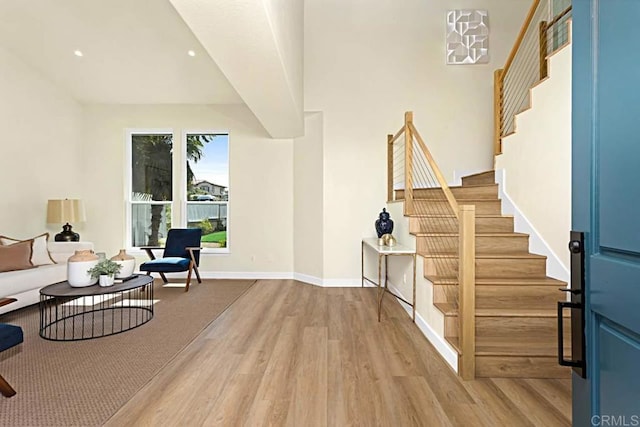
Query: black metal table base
(75, 318)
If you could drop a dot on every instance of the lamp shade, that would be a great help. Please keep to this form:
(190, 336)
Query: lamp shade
(65, 211)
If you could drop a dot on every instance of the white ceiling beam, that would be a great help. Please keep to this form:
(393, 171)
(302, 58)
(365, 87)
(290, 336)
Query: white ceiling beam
(258, 46)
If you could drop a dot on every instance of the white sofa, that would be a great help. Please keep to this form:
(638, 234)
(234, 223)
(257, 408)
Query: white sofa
(24, 285)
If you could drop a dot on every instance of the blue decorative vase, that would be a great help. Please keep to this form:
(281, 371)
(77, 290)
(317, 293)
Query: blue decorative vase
(384, 223)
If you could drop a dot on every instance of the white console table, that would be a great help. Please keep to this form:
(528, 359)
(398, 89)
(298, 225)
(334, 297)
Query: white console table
(385, 252)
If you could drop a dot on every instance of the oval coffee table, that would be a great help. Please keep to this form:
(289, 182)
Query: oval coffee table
(72, 314)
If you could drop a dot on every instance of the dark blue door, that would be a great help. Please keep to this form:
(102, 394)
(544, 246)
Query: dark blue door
(606, 206)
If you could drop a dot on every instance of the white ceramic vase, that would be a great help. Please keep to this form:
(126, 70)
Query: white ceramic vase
(77, 267)
(106, 280)
(127, 262)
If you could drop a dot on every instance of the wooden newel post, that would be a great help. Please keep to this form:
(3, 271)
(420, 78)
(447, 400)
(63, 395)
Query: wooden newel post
(467, 292)
(543, 50)
(408, 163)
(497, 111)
(390, 195)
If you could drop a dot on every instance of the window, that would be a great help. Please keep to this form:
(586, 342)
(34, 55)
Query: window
(158, 202)
(151, 188)
(207, 169)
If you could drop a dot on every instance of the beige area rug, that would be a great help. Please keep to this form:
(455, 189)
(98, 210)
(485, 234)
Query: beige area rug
(83, 383)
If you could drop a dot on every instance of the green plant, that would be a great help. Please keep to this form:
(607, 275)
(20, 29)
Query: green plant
(206, 227)
(106, 266)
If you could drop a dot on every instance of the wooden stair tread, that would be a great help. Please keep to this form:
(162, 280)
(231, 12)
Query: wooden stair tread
(439, 215)
(493, 184)
(453, 186)
(488, 256)
(458, 199)
(480, 174)
(510, 346)
(450, 309)
(534, 281)
(487, 234)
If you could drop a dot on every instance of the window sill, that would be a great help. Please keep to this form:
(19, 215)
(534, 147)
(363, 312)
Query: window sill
(204, 251)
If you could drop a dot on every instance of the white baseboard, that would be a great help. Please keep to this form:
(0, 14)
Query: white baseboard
(341, 283)
(306, 278)
(555, 267)
(253, 275)
(446, 351)
(245, 275)
(327, 283)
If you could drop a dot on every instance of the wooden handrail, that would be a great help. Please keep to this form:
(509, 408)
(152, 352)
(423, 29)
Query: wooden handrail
(523, 31)
(436, 170)
(558, 17)
(397, 135)
(390, 195)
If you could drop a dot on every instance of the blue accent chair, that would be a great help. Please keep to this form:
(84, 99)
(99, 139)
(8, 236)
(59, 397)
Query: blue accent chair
(181, 253)
(10, 336)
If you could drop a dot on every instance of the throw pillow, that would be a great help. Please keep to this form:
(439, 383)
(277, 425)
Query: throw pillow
(16, 256)
(40, 254)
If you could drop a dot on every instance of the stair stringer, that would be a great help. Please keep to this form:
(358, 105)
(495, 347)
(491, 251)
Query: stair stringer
(555, 267)
(429, 319)
(536, 160)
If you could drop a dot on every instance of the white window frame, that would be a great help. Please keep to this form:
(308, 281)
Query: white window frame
(128, 182)
(183, 181)
(179, 200)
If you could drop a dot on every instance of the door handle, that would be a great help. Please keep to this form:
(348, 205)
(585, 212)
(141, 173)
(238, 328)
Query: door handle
(576, 290)
(575, 246)
(561, 360)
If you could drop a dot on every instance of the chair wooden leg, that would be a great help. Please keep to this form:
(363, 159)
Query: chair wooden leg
(164, 278)
(189, 276)
(195, 267)
(5, 388)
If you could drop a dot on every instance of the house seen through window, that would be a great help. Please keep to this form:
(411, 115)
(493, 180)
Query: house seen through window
(208, 187)
(157, 203)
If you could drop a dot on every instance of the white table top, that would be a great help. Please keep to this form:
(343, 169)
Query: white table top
(396, 249)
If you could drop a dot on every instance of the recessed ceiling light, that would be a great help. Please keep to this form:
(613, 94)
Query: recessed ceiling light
(77, 52)
(191, 53)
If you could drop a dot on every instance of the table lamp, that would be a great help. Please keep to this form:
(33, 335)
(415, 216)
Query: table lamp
(64, 212)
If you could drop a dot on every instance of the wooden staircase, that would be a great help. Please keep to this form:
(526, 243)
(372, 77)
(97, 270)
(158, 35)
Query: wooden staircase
(515, 315)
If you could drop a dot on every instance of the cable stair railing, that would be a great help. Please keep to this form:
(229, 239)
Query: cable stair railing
(444, 227)
(545, 31)
(444, 230)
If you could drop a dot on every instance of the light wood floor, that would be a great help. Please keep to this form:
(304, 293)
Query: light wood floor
(292, 354)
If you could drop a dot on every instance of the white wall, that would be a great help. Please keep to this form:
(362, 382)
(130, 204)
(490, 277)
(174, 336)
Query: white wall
(39, 148)
(308, 201)
(260, 186)
(366, 63)
(537, 162)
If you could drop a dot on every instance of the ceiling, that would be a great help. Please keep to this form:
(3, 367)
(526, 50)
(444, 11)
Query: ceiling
(134, 51)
